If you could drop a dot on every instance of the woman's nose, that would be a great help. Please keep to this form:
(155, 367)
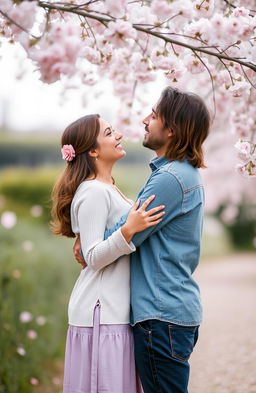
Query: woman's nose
(119, 135)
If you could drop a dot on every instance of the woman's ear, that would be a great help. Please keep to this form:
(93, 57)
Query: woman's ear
(93, 153)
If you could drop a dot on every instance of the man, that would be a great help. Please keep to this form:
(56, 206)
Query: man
(165, 299)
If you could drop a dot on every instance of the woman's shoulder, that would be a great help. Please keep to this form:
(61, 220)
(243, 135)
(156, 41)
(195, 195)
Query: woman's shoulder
(91, 189)
(92, 185)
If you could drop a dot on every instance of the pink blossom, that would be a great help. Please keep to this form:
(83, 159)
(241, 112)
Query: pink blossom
(223, 78)
(72, 45)
(57, 52)
(123, 89)
(240, 89)
(118, 32)
(184, 8)
(139, 63)
(177, 74)
(141, 15)
(241, 169)
(177, 50)
(244, 149)
(26, 317)
(116, 8)
(234, 27)
(8, 219)
(163, 62)
(36, 211)
(68, 152)
(32, 334)
(204, 8)
(89, 78)
(162, 9)
(92, 55)
(105, 47)
(145, 77)
(240, 11)
(194, 65)
(217, 34)
(23, 14)
(6, 5)
(242, 124)
(34, 381)
(201, 29)
(97, 27)
(62, 67)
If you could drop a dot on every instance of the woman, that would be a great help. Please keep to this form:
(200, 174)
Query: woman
(99, 351)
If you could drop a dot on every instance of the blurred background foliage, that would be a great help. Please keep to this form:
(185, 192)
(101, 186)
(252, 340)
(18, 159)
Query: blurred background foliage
(38, 271)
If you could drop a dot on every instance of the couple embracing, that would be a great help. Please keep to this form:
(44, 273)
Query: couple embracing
(135, 309)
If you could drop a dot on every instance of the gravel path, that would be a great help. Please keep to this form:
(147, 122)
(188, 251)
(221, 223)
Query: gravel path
(224, 360)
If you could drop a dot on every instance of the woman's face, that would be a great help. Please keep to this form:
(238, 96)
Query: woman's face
(109, 143)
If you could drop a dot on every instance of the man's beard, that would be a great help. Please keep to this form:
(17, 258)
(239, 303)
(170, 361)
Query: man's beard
(153, 144)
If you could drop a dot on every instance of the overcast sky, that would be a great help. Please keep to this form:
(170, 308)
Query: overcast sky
(27, 104)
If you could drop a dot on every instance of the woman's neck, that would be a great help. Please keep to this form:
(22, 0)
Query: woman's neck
(104, 173)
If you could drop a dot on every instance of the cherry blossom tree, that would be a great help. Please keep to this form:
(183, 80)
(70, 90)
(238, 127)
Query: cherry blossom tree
(206, 46)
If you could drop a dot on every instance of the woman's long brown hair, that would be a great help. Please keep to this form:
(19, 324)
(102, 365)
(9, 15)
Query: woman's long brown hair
(82, 135)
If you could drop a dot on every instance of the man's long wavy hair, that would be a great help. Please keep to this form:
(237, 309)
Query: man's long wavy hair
(189, 119)
(82, 135)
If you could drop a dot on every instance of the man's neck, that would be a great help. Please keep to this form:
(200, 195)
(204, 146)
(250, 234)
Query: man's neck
(161, 152)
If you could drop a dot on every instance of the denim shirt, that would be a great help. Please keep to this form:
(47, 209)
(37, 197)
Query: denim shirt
(162, 286)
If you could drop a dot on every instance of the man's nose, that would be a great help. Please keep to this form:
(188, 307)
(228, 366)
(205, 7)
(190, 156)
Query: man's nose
(145, 121)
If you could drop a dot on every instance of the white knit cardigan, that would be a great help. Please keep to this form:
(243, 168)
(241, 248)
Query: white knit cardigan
(95, 207)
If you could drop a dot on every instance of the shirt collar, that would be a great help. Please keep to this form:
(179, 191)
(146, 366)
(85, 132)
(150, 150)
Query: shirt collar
(157, 162)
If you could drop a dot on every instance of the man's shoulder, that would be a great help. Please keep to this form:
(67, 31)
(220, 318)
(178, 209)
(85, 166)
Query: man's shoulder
(187, 175)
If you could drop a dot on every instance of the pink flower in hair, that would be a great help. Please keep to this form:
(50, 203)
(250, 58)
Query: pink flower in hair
(68, 152)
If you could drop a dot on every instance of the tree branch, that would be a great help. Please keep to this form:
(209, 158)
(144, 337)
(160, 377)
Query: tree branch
(212, 83)
(234, 6)
(70, 8)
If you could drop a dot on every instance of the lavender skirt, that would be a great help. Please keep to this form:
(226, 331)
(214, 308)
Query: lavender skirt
(100, 359)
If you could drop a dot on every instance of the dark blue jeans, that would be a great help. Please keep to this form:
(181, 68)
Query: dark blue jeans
(162, 351)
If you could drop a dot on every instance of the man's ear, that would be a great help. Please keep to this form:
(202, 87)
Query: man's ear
(170, 132)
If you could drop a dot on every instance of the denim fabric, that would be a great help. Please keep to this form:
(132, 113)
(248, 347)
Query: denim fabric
(162, 351)
(162, 286)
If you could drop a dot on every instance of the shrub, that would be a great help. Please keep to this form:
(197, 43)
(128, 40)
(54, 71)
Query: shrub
(37, 272)
(23, 188)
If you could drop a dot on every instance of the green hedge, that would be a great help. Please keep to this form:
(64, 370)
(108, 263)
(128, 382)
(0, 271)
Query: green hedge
(33, 151)
(243, 231)
(23, 188)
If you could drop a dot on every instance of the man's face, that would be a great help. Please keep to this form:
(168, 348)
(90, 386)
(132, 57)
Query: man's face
(156, 137)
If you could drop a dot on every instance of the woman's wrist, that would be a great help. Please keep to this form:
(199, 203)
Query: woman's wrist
(127, 232)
